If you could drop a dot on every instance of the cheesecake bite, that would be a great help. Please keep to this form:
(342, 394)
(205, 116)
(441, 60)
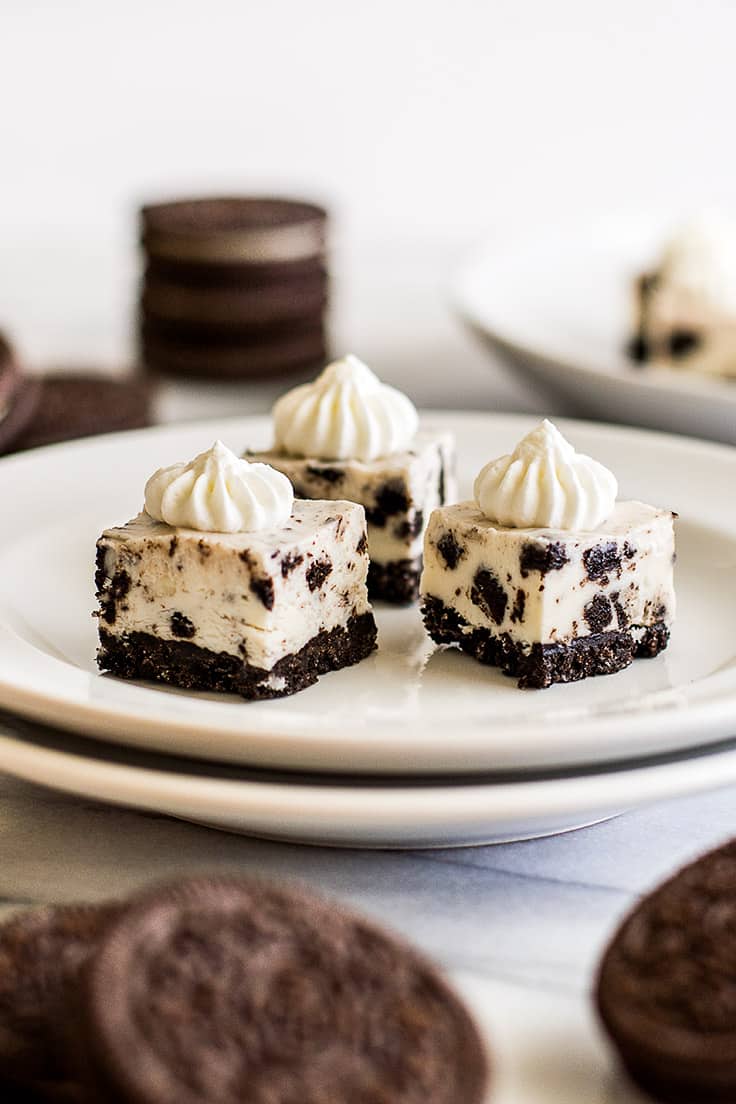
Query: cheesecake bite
(226, 582)
(348, 436)
(685, 306)
(545, 574)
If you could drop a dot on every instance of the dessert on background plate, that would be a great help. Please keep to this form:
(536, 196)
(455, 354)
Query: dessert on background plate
(685, 307)
(545, 574)
(226, 582)
(348, 435)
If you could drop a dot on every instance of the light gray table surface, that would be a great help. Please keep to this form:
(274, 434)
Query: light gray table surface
(518, 926)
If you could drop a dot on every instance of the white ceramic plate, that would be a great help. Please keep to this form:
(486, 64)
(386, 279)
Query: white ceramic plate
(558, 307)
(409, 708)
(355, 812)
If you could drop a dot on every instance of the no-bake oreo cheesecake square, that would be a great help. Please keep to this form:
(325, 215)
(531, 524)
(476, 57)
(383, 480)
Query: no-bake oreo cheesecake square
(545, 575)
(225, 582)
(347, 435)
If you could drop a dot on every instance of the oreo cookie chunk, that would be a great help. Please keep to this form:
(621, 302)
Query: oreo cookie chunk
(666, 989)
(76, 405)
(218, 991)
(41, 955)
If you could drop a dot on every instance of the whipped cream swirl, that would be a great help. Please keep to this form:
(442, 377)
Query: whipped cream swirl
(345, 414)
(545, 484)
(217, 492)
(700, 259)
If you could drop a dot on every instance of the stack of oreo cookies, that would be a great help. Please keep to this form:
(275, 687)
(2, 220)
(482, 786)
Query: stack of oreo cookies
(233, 287)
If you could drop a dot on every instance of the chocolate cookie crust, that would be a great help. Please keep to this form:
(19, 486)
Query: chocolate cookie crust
(140, 655)
(538, 667)
(666, 988)
(226, 990)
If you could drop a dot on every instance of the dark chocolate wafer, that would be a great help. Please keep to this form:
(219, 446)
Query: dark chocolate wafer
(198, 274)
(666, 989)
(18, 396)
(41, 955)
(286, 350)
(234, 230)
(80, 405)
(9, 371)
(234, 308)
(19, 411)
(220, 991)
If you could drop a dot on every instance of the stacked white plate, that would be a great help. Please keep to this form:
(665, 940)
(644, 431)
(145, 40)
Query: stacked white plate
(416, 746)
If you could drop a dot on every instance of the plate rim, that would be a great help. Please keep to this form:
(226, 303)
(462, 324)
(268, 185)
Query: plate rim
(377, 816)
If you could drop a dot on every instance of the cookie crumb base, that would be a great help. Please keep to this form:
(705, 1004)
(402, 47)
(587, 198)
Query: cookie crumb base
(541, 665)
(139, 655)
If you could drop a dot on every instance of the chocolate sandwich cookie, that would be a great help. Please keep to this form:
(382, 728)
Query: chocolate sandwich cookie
(9, 370)
(234, 230)
(666, 988)
(41, 955)
(77, 405)
(18, 396)
(283, 351)
(233, 308)
(218, 991)
(19, 410)
(197, 274)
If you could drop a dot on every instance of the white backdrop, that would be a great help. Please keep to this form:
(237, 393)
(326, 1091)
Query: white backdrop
(425, 124)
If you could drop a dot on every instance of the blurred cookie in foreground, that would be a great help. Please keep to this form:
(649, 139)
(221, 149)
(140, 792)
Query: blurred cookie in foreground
(80, 405)
(19, 394)
(666, 989)
(685, 305)
(42, 953)
(219, 990)
(232, 285)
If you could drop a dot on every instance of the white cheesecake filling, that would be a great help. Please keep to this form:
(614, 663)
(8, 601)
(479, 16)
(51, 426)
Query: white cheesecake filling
(259, 596)
(411, 480)
(614, 577)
